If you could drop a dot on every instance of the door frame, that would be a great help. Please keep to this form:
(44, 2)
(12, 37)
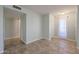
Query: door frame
(4, 21)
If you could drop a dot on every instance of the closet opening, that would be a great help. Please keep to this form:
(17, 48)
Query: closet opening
(14, 29)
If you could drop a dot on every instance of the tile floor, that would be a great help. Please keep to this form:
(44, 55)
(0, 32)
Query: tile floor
(54, 46)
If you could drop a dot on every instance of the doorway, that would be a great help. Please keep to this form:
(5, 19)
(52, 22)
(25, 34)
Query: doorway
(62, 31)
(14, 28)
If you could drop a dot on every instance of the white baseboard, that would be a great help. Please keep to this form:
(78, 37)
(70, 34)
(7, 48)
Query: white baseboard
(45, 38)
(70, 39)
(12, 37)
(28, 42)
(23, 41)
(16, 37)
(64, 38)
(1, 52)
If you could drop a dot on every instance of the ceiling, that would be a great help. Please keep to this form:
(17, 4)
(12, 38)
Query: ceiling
(43, 9)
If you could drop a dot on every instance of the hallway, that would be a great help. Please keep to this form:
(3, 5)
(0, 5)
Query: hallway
(54, 46)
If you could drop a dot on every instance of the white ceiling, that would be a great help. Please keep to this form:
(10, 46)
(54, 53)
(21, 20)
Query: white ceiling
(43, 9)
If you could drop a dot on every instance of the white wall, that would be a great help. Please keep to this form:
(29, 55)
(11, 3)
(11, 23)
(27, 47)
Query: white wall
(12, 28)
(71, 25)
(33, 25)
(8, 28)
(23, 27)
(45, 26)
(51, 25)
(1, 30)
(77, 28)
(17, 28)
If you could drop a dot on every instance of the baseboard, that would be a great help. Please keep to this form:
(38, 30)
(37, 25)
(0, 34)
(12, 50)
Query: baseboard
(45, 38)
(64, 38)
(12, 37)
(1, 52)
(28, 42)
(23, 41)
(71, 40)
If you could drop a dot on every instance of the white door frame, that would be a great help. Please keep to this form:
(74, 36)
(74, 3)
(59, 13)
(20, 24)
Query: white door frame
(4, 20)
